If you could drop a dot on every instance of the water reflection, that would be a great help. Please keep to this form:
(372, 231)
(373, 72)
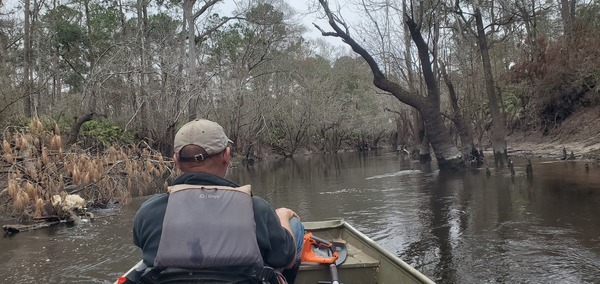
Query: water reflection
(88, 253)
(463, 227)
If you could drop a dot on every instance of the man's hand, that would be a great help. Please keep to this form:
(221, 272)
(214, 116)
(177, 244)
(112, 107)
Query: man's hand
(286, 214)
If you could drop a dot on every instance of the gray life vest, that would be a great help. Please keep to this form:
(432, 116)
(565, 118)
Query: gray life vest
(208, 226)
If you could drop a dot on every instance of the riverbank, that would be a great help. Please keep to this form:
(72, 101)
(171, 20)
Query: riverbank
(577, 138)
(579, 134)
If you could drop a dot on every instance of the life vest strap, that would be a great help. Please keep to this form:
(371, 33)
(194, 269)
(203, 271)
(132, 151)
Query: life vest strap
(237, 274)
(247, 189)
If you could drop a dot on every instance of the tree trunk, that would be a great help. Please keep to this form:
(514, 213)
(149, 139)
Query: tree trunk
(191, 59)
(418, 127)
(530, 22)
(424, 146)
(56, 78)
(90, 80)
(396, 138)
(122, 19)
(435, 130)
(144, 100)
(189, 16)
(498, 135)
(462, 125)
(567, 14)
(27, 60)
(74, 132)
(34, 40)
(446, 153)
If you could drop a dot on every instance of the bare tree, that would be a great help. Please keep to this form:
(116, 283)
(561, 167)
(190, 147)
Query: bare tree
(463, 126)
(190, 16)
(418, 124)
(27, 107)
(446, 153)
(142, 20)
(498, 135)
(567, 14)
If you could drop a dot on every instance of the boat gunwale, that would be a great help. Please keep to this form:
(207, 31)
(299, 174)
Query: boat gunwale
(341, 224)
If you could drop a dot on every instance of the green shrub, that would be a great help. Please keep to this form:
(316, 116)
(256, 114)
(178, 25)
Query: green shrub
(105, 132)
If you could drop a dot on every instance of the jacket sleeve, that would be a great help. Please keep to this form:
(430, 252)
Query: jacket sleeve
(276, 244)
(147, 226)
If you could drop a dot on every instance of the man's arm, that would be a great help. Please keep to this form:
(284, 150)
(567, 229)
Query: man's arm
(285, 215)
(147, 226)
(276, 242)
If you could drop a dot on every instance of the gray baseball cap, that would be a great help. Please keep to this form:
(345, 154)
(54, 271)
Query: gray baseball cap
(204, 133)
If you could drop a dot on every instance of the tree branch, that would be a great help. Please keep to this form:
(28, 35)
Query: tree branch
(200, 38)
(13, 102)
(379, 80)
(204, 8)
(77, 126)
(344, 35)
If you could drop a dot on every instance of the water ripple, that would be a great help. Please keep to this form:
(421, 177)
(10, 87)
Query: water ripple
(396, 174)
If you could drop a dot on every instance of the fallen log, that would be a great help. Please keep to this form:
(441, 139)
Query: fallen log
(47, 221)
(13, 229)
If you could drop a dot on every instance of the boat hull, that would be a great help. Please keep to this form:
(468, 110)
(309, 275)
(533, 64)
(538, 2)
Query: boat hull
(367, 262)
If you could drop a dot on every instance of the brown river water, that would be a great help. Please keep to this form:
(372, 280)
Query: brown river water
(464, 227)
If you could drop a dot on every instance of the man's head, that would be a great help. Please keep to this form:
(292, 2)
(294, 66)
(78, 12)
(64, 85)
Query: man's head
(201, 146)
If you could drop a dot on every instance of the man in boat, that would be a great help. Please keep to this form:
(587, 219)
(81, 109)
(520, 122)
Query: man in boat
(206, 223)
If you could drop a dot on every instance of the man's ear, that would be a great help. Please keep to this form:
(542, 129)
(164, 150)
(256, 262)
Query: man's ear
(227, 157)
(176, 161)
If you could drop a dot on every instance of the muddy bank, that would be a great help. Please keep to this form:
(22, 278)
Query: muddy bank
(579, 134)
(535, 145)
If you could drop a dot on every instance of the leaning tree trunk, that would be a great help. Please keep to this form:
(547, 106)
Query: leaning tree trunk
(74, 132)
(445, 151)
(439, 137)
(498, 135)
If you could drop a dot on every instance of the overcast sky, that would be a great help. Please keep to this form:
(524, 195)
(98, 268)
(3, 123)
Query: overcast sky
(307, 15)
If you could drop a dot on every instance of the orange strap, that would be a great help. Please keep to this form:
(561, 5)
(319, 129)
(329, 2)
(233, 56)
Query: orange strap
(327, 254)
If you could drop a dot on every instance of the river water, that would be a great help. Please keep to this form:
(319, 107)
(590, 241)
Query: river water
(467, 227)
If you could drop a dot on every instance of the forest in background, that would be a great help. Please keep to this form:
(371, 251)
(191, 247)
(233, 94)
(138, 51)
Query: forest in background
(452, 77)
